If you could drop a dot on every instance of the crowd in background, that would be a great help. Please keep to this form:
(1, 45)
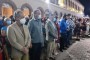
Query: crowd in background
(42, 37)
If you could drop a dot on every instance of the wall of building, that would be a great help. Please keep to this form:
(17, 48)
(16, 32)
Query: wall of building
(42, 5)
(0, 8)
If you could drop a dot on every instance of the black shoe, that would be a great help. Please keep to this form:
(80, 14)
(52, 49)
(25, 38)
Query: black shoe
(77, 39)
(51, 58)
(61, 50)
(67, 46)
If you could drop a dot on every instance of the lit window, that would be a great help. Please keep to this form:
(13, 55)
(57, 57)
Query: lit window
(7, 10)
(25, 11)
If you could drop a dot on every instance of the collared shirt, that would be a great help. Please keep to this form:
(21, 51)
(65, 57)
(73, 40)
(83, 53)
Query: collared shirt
(63, 26)
(51, 30)
(35, 28)
(70, 24)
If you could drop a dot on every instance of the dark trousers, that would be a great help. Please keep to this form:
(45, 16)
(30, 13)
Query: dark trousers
(63, 41)
(69, 37)
(44, 55)
(35, 51)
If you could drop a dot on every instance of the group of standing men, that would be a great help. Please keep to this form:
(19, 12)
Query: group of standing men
(27, 41)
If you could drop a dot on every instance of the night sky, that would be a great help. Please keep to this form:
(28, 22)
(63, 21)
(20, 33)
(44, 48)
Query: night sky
(86, 4)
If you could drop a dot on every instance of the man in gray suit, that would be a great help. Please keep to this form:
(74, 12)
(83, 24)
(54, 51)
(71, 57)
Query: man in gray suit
(19, 38)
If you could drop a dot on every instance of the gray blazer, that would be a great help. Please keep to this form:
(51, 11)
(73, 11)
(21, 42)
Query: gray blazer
(17, 39)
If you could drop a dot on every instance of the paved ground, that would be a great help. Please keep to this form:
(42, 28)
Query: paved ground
(80, 50)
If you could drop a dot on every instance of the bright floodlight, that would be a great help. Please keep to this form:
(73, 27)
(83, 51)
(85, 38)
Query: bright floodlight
(47, 1)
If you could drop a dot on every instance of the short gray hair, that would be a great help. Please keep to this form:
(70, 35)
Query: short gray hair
(17, 13)
(37, 10)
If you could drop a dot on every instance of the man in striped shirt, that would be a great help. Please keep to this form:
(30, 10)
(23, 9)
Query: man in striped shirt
(70, 27)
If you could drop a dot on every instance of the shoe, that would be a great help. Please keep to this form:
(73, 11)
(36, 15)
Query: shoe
(77, 39)
(67, 46)
(61, 50)
(51, 58)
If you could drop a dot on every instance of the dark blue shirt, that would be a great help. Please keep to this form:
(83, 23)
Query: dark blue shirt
(1, 25)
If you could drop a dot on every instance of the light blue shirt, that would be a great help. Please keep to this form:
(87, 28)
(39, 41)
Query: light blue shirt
(35, 28)
(70, 24)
